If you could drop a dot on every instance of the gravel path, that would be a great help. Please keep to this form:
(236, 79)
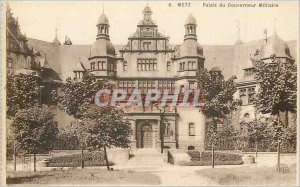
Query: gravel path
(183, 177)
(175, 175)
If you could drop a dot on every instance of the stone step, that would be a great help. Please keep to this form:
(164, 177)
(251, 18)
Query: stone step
(146, 157)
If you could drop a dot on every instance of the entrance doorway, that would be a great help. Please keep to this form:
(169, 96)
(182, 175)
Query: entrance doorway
(145, 131)
(147, 137)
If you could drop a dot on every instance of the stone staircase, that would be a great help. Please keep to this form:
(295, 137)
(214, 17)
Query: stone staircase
(146, 157)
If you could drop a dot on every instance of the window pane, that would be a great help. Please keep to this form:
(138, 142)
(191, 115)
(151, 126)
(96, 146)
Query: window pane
(191, 129)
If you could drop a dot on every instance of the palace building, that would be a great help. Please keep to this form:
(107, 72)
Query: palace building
(149, 61)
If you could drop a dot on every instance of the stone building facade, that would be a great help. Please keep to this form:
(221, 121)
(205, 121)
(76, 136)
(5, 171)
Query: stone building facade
(272, 47)
(18, 54)
(149, 61)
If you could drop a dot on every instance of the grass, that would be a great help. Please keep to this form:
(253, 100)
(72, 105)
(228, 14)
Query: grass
(86, 176)
(245, 175)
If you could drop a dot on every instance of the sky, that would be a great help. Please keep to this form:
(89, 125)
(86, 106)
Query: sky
(215, 25)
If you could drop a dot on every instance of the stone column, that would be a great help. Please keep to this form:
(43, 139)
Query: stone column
(157, 136)
(133, 135)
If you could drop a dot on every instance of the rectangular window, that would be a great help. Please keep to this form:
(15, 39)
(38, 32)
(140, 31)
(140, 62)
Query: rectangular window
(183, 66)
(9, 62)
(132, 86)
(93, 65)
(251, 95)
(138, 65)
(142, 65)
(146, 46)
(192, 129)
(140, 86)
(172, 86)
(128, 86)
(124, 66)
(151, 85)
(146, 65)
(191, 85)
(103, 65)
(154, 65)
(160, 86)
(166, 85)
(243, 96)
(168, 130)
(180, 66)
(189, 65)
(146, 61)
(151, 65)
(168, 66)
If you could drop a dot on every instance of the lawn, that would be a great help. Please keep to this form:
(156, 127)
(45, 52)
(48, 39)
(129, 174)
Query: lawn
(245, 175)
(86, 176)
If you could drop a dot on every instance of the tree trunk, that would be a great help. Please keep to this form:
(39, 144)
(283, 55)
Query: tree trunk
(213, 145)
(161, 134)
(212, 155)
(286, 118)
(34, 159)
(82, 158)
(278, 151)
(15, 156)
(106, 159)
(256, 150)
(278, 144)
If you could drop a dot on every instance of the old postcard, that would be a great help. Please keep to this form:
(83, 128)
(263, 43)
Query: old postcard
(169, 93)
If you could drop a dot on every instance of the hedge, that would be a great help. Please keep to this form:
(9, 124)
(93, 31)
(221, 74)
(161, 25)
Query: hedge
(219, 156)
(204, 159)
(95, 158)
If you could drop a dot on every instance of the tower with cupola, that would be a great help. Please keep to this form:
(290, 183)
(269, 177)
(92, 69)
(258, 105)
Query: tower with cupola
(189, 56)
(188, 59)
(102, 54)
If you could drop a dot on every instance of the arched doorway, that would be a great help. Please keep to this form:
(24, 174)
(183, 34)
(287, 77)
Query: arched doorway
(147, 137)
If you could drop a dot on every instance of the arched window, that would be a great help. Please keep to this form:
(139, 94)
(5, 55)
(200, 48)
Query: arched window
(191, 28)
(192, 129)
(246, 115)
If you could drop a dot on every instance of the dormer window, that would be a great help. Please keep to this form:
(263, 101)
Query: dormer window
(78, 74)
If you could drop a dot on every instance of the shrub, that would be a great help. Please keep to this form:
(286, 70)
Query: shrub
(66, 141)
(219, 156)
(195, 155)
(95, 158)
(205, 159)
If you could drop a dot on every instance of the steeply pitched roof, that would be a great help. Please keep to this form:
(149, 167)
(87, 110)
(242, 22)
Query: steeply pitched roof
(231, 59)
(61, 58)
